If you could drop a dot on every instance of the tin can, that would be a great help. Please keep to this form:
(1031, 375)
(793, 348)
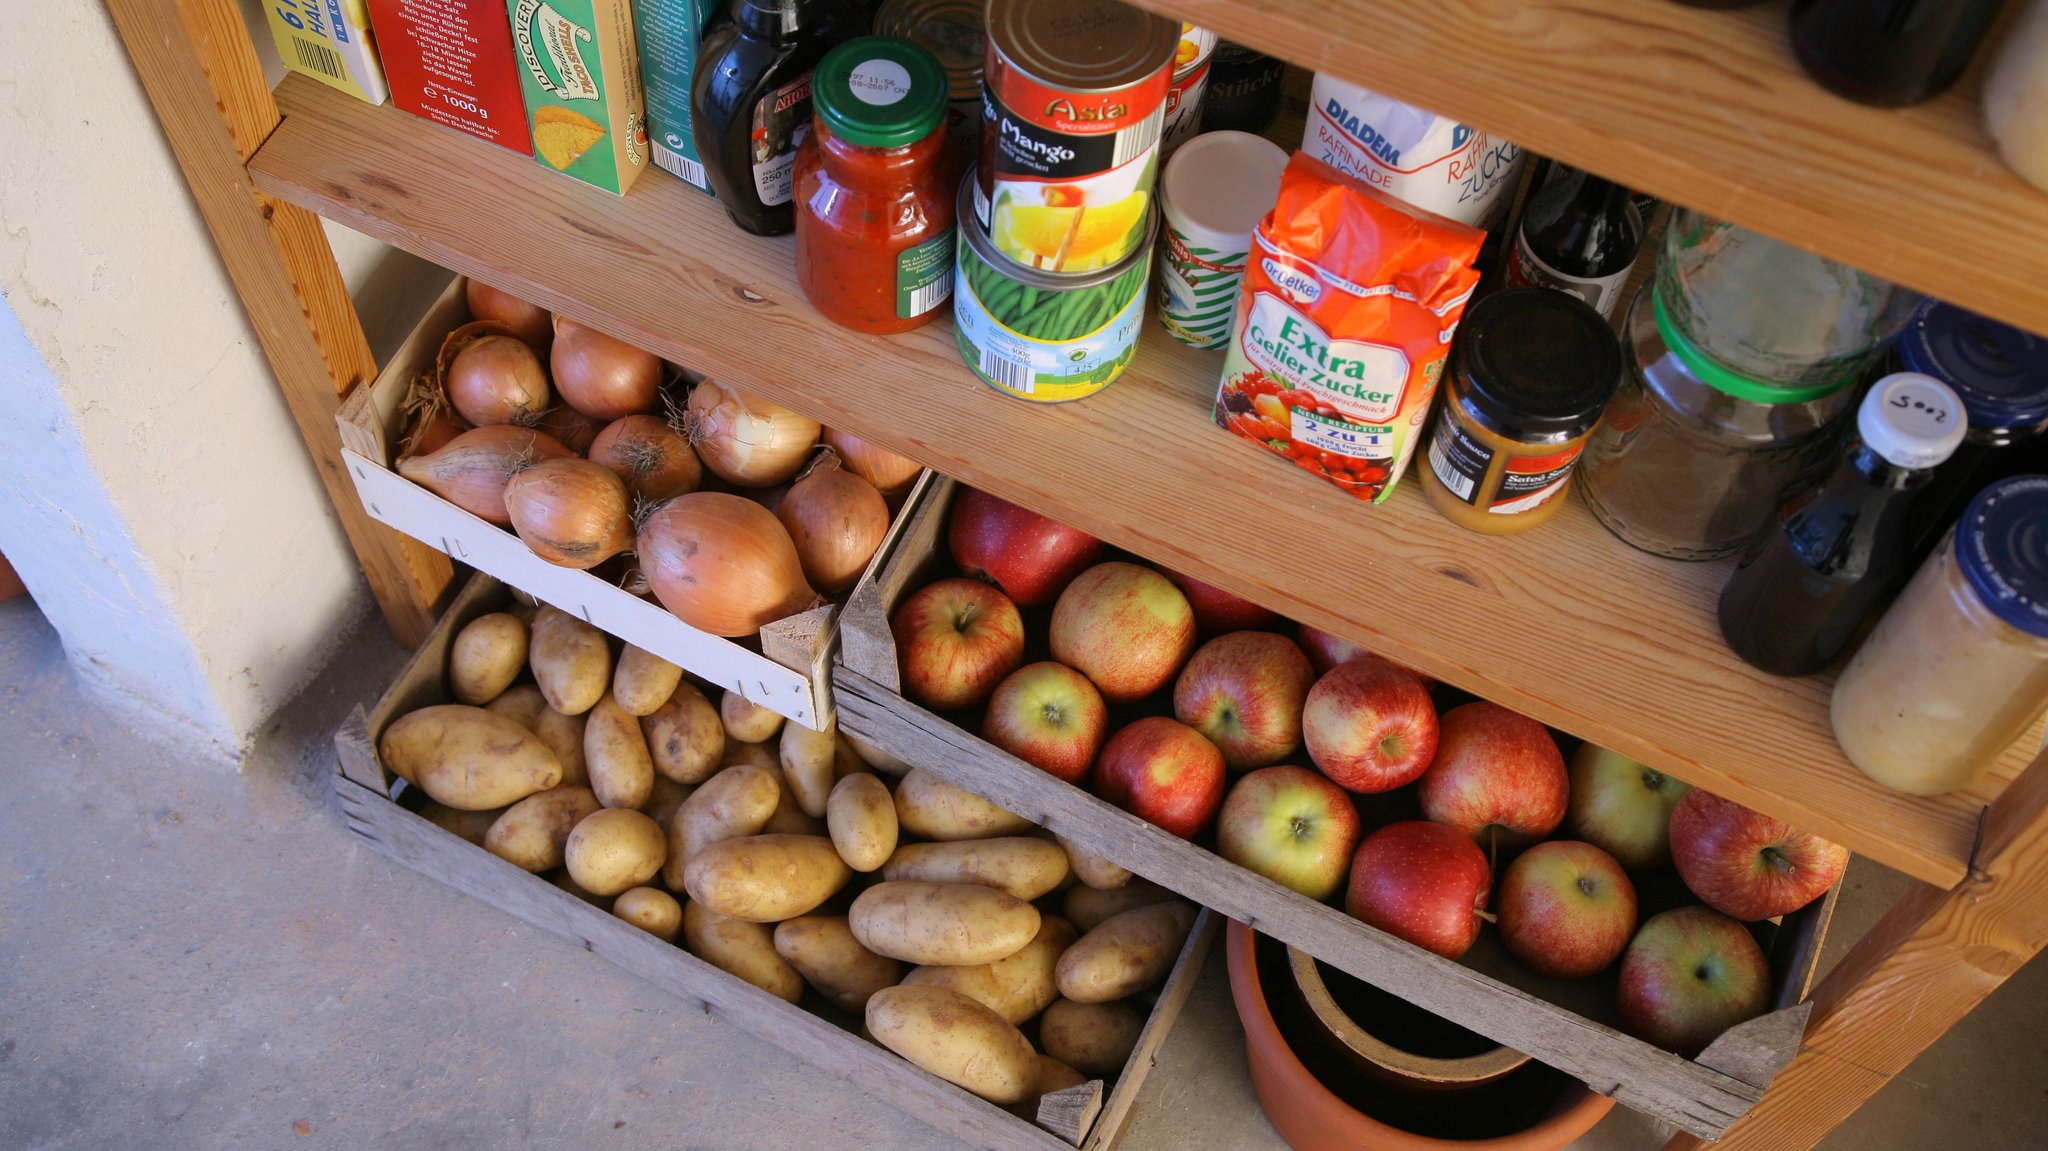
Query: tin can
(1045, 337)
(1210, 200)
(1190, 84)
(953, 31)
(1073, 102)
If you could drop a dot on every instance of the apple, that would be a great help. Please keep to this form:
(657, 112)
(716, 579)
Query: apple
(1566, 909)
(1326, 651)
(1497, 776)
(1370, 725)
(1245, 691)
(1125, 627)
(1423, 882)
(1050, 716)
(1622, 807)
(1025, 554)
(1217, 611)
(1292, 826)
(1746, 864)
(1165, 773)
(957, 639)
(1690, 974)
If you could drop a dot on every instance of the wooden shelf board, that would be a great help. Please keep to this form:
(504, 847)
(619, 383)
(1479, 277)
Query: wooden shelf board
(1565, 624)
(1707, 109)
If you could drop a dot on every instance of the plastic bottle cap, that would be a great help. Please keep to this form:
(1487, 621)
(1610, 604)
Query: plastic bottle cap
(2000, 372)
(2002, 548)
(1221, 184)
(880, 92)
(1912, 420)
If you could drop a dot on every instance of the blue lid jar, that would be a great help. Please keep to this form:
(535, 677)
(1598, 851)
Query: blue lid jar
(2002, 548)
(2000, 372)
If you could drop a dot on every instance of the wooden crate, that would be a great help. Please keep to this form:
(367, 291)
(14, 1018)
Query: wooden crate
(1567, 1024)
(789, 672)
(1092, 1116)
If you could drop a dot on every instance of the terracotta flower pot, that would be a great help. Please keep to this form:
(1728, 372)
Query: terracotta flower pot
(1310, 1117)
(1369, 1032)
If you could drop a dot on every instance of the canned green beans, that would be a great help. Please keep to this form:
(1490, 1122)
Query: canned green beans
(1039, 336)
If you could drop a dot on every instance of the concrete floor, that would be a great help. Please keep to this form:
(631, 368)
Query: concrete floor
(195, 959)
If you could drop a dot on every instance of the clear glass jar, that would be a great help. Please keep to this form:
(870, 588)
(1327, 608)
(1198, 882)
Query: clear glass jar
(1958, 668)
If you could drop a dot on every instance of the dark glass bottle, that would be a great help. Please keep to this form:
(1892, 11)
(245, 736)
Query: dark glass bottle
(750, 104)
(1888, 52)
(1578, 234)
(1804, 588)
(1244, 90)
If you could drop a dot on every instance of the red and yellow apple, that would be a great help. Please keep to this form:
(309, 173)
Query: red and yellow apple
(1292, 826)
(1423, 882)
(1566, 909)
(956, 639)
(1690, 974)
(1497, 776)
(1124, 626)
(1023, 553)
(1622, 807)
(1746, 864)
(1217, 612)
(1370, 726)
(1050, 716)
(1326, 651)
(1164, 772)
(1244, 691)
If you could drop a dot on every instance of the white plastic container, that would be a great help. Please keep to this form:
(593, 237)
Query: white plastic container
(2016, 96)
(1411, 153)
(1213, 193)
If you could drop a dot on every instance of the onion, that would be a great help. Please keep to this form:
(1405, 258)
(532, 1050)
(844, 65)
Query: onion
(570, 512)
(891, 474)
(576, 430)
(529, 322)
(654, 459)
(496, 379)
(430, 423)
(722, 564)
(470, 472)
(749, 442)
(601, 377)
(837, 520)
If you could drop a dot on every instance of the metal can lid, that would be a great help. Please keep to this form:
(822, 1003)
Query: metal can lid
(1537, 363)
(1911, 420)
(2000, 372)
(880, 92)
(1083, 45)
(2001, 546)
(952, 30)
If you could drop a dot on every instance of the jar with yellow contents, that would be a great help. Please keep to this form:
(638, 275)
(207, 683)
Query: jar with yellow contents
(1533, 369)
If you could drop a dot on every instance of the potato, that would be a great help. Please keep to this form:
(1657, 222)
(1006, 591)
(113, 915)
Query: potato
(1054, 1075)
(845, 760)
(942, 922)
(684, 736)
(789, 817)
(571, 661)
(1093, 1038)
(532, 832)
(733, 803)
(956, 1039)
(1015, 988)
(860, 815)
(1025, 867)
(562, 880)
(739, 948)
(470, 825)
(522, 702)
(662, 802)
(1125, 954)
(564, 736)
(931, 808)
(621, 770)
(614, 849)
(1089, 906)
(747, 721)
(486, 657)
(467, 757)
(876, 758)
(765, 878)
(643, 681)
(758, 754)
(1092, 869)
(823, 950)
(808, 757)
(651, 910)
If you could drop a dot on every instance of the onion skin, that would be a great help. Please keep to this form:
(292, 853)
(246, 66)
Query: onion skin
(654, 459)
(575, 430)
(837, 520)
(498, 380)
(722, 564)
(529, 322)
(748, 441)
(891, 474)
(570, 512)
(601, 377)
(471, 471)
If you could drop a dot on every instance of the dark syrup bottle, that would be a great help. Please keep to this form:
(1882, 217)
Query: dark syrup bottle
(1578, 234)
(1888, 52)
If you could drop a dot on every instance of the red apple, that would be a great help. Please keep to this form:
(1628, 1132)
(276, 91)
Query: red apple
(1245, 691)
(957, 639)
(1050, 716)
(1746, 864)
(1566, 909)
(1125, 627)
(1370, 725)
(1497, 776)
(1292, 826)
(1622, 807)
(1423, 882)
(1165, 773)
(1326, 651)
(1217, 611)
(1025, 554)
(1689, 975)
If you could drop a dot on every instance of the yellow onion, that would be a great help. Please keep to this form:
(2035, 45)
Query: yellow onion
(529, 322)
(654, 459)
(836, 520)
(576, 430)
(496, 379)
(722, 564)
(430, 422)
(570, 512)
(601, 377)
(891, 474)
(748, 441)
(471, 470)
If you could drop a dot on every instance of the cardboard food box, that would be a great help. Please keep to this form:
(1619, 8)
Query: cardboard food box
(580, 68)
(330, 41)
(669, 32)
(451, 61)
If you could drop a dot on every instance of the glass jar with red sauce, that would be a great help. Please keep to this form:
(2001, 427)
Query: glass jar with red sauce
(874, 220)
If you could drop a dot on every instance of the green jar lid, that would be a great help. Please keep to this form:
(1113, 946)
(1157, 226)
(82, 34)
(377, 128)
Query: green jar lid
(1730, 382)
(880, 92)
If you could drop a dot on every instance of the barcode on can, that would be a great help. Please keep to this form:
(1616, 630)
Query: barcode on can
(931, 296)
(1440, 463)
(1136, 140)
(319, 58)
(1008, 373)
